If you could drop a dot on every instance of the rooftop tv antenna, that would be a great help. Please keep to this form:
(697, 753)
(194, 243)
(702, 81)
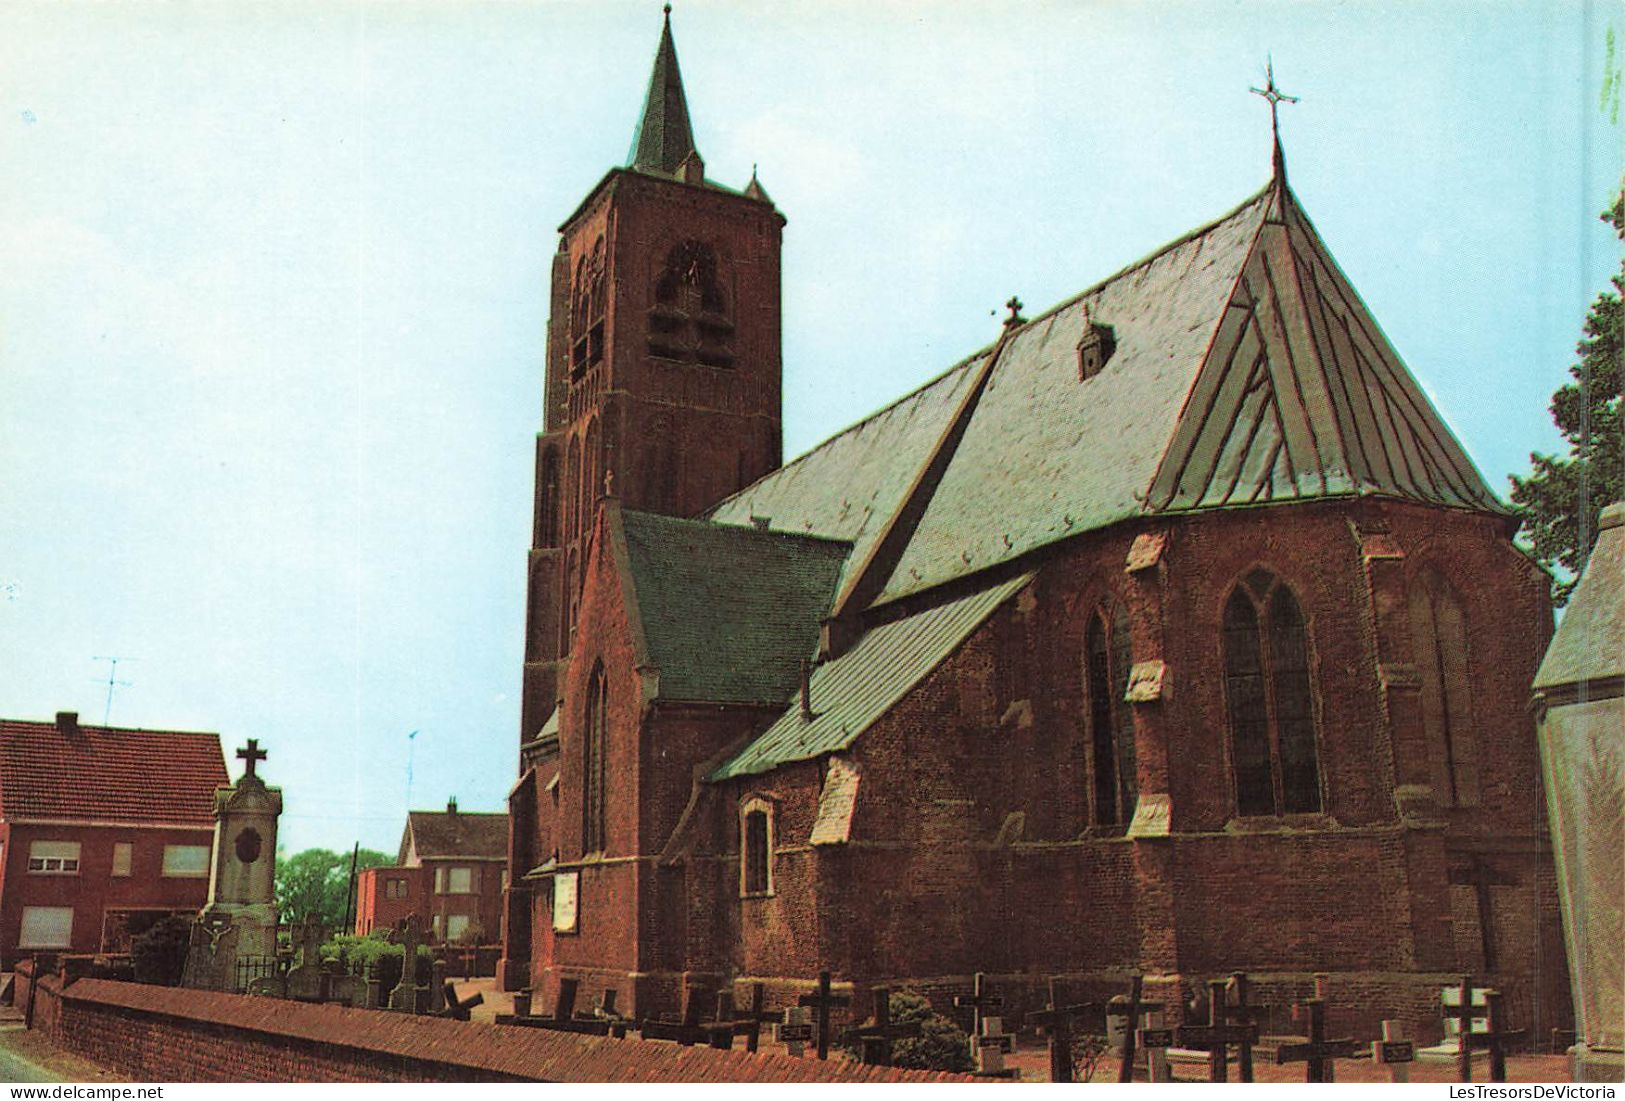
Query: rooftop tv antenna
(112, 682)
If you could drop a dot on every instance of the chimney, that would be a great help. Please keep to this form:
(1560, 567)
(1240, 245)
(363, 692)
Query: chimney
(67, 722)
(451, 805)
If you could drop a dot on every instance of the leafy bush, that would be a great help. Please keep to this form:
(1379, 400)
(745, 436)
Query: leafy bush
(159, 955)
(941, 1045)
(356, 954)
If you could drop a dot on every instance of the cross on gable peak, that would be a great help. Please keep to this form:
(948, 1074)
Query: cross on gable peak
(252, 754)
(1274, 97)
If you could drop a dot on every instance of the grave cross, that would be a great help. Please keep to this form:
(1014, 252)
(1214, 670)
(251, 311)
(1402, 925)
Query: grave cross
(748, 1022)
(875, 1039)
(1465, 1014)
(688, 1031)
(252, 754)
(1131, 1010)
(1242, 1013)
(981, 998)
(1056, 1020)
(1215, 1036)
(1497, 1037)
(404, 998)
(821, 1001)
(457, 1009)
(1319, 1051)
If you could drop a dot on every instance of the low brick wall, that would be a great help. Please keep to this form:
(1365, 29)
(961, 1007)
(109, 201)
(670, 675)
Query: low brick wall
(165, 1034)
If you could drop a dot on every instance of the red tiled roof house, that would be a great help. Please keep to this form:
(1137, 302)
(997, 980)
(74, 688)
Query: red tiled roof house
(102, 831)
(451, 872)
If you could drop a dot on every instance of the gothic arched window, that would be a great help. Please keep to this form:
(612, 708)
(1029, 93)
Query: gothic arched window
(689, 319)
(756, 848)
(588, 301)
(1439, 638)
(1272, 720)
(595, 736)
(1111, 717)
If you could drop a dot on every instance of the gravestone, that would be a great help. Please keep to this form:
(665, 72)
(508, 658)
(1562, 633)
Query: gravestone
(1580, 709)
(990, 1045)
(308, 981)
(404, 998)
(794, 1032)
(1394, 1051)
(242, 887)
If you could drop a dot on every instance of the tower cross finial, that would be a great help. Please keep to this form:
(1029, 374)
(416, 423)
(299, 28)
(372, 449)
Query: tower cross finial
(251, 753)
(1274, 97)
(1014, 306)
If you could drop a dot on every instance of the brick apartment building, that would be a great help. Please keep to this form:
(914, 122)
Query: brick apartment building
(450, 872)
(1172, 633)
(103, 830)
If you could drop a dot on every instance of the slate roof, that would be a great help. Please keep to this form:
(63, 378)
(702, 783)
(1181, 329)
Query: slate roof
(109, 774)
(440, 835)
(728, 613)
(849, 693)
(663, 138)
(1245, 370)
(1590, 641)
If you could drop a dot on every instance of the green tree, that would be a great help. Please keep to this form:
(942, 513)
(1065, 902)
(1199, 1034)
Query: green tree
(1560, 500)
(159, 954)
(314, 885)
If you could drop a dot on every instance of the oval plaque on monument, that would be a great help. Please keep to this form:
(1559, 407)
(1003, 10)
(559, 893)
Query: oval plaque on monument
(248, 846)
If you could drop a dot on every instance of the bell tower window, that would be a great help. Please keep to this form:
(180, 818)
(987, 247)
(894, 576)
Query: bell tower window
(689, 320)
(588, 299)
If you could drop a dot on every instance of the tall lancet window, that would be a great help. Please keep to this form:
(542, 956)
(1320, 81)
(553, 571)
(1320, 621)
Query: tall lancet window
(1111, 717)
(594, 765)
(589, 300)
(1439, 641)
(1266, 678)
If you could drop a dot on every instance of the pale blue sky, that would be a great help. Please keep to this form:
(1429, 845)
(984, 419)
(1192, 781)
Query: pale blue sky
(275, 282)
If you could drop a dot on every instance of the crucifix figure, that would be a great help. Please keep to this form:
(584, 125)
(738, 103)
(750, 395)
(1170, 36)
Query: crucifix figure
(252, 754)
(1274, 97)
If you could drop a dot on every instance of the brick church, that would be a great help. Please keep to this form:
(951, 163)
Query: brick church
(1172, 633)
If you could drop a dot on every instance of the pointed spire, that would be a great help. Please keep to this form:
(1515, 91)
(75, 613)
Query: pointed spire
(755, 190)
(1274, 97)
(663, 139)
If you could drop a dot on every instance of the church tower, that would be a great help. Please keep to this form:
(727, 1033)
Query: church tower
(663, 360)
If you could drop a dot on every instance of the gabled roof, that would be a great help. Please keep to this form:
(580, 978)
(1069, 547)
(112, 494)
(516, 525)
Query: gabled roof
(849, 693)
(1245, 371)
(728, 613)
(663, 139)
(108, 774)
(440, 835)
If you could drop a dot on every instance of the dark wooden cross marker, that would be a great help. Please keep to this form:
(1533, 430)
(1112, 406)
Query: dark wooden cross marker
(687, 1032)
(750, 1021)
(1319, 1051)
(564, 1017)
(1465, 1013)
(821, 1001)
(1243, 1013)
(252, 754)
(875, 1038)
(731, 1022)
(981, 998)
(456, 1008)
(1057, 1022)
(1497, 1037)
(1131, 1011)
(1216, 1035)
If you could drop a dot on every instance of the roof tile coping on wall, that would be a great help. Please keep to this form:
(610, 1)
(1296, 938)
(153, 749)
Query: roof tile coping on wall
(532, 1054)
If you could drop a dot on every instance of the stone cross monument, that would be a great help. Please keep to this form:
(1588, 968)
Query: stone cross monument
(239, 921)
